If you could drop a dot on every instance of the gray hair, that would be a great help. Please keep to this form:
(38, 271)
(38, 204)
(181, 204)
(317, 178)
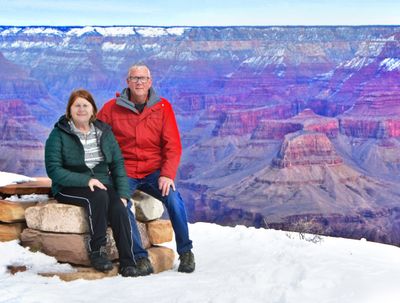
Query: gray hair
(139, 65)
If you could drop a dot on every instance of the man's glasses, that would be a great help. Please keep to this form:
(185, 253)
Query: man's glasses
(138, 79)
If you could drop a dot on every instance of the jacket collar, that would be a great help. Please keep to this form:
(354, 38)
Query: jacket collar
(123, 99)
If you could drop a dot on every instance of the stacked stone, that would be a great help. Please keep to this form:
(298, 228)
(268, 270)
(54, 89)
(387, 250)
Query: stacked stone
(61, 230)
(12, 213)
(12, 219)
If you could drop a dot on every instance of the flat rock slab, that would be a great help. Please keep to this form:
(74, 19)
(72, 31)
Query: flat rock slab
(11, 231)
(42, 185)
(162, 258)
(86, 273)
(57, 217)
(13, 211)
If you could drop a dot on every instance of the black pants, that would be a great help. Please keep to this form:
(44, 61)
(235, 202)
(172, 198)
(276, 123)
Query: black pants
(103, 206)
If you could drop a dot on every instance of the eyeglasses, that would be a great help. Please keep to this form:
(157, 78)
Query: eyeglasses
(138, 79)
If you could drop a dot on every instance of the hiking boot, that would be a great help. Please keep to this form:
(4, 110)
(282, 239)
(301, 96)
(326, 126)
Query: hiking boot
(144, 266)
(99, 260)
(187, 263)
(129, 271)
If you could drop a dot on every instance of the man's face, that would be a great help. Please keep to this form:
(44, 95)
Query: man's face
(139, 82)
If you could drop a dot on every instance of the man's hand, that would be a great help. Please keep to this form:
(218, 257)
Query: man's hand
(94, 182)
(164, 183)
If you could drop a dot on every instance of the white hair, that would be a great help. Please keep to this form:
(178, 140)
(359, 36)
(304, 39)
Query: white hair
(139, 65)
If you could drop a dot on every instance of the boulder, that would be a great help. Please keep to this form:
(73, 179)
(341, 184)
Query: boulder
(159, 231)
(147, 207)
(143, 234)
(52, 217)
(13, 211)
(11, 231)
(71, 248)
(162, 258)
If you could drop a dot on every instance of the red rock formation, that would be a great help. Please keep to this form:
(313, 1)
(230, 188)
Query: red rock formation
(373, 89)
(376, 112)
(275, 129)
(245, 121)
(317, 123)
(306, 120)
(306, 148)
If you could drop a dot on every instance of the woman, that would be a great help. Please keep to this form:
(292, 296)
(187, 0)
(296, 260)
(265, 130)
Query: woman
(86, 167)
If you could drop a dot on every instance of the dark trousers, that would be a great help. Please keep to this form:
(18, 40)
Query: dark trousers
(103, 206)
(174, 205)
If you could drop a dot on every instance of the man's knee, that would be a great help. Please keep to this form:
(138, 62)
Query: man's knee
(174, 199)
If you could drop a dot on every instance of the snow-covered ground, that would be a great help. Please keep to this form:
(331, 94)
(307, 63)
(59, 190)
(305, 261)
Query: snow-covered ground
(233, 265)
(10, 178)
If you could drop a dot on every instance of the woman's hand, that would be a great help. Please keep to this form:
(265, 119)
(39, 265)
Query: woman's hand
(124, 201)
(94, 182)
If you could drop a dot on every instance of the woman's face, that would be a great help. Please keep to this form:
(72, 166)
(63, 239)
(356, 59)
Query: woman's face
(81, 111)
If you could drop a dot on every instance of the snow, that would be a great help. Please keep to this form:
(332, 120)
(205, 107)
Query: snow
(116, 31)
(263, 61)
(119, 31)
(80, 31)
(357, 62)
(42, 30)
(109, 46)
(11, 178)
(159, 31)
(154, 46)
(233, 264)
(28, 198)
(111, 31)
(29, 44)
(390, 64)
(14, 254)
(10, 31)
(151, 31)
(107, 31)
(178, 31)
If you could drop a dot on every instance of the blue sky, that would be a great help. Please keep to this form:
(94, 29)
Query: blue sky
(200, 12)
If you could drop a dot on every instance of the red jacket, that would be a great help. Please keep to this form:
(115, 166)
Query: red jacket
(150, 140)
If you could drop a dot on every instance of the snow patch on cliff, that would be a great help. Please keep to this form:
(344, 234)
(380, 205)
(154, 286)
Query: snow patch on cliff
(390, 64)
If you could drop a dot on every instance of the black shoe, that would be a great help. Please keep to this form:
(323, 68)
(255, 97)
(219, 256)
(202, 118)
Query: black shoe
(144, 266)
(129, 271)
(99, 260)
(187, 262)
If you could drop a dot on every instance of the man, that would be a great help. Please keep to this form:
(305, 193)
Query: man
(146, 130)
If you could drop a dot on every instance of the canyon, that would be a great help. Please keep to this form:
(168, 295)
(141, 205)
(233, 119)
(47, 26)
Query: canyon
(294, 128)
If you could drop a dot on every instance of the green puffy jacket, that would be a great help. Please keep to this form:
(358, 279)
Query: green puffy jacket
(65, 160)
